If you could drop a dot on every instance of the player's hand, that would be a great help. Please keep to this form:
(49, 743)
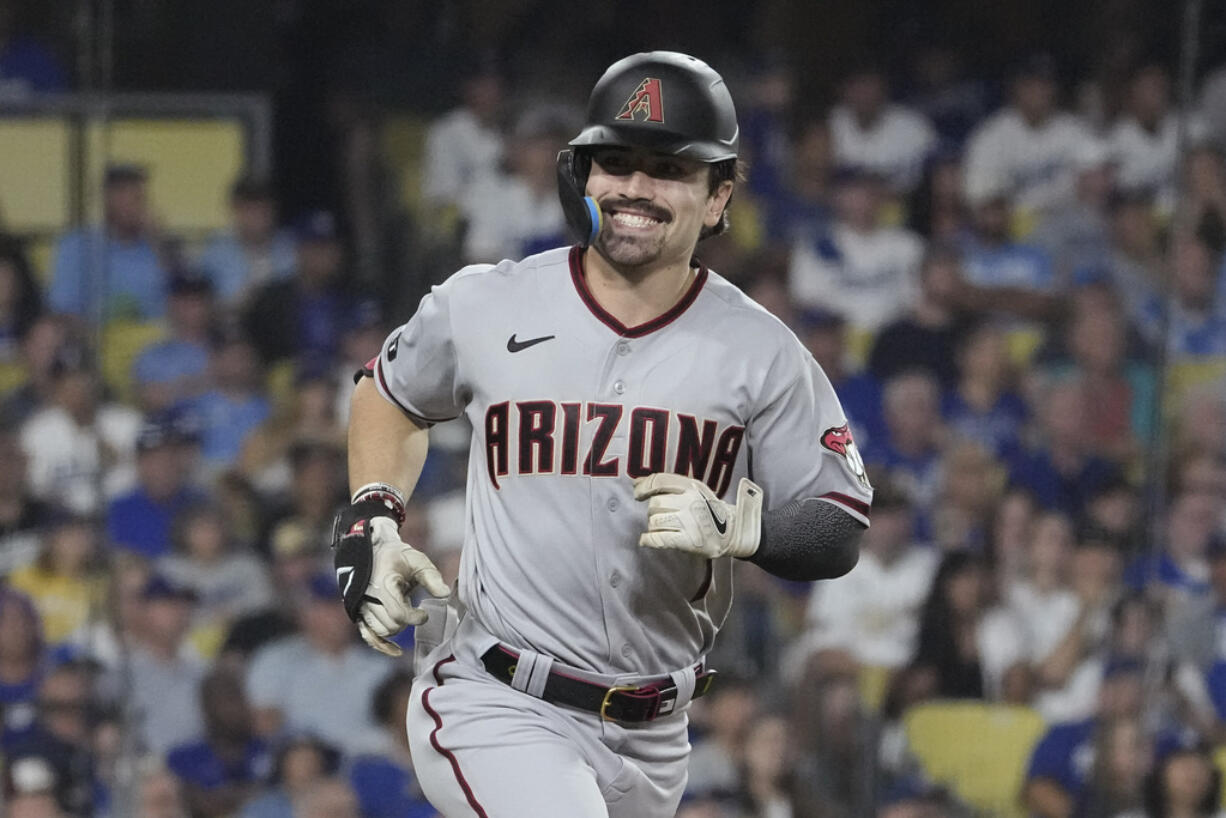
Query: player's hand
(683, 514)
(398, 569)
(377, 574)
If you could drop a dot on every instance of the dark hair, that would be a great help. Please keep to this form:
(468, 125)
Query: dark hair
(729, 170)
(184, 520)
(936, 645)
(28, 304)
(329, 755)
(252, 189)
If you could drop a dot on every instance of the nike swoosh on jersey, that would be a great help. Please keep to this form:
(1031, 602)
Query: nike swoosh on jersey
(720, 525)
(519, 346)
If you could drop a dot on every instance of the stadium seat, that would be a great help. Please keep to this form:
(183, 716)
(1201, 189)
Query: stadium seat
(979, 750)
(35, 163)
(1219, 761)
(122, 342)
(403, 139)
(192, 163)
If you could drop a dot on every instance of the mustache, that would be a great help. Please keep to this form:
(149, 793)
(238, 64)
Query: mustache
(639, 206)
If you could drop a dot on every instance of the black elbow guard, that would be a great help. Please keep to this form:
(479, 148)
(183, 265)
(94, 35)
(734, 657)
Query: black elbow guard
(808, 539)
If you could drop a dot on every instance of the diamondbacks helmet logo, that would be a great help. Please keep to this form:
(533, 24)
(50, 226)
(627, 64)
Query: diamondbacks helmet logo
(646, 99)
(838, 439)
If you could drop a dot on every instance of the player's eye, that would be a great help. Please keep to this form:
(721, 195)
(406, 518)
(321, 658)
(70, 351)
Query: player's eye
(613, 162)
(668, 170)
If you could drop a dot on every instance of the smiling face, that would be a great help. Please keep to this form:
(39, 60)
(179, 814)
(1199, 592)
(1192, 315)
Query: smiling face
(654, 205)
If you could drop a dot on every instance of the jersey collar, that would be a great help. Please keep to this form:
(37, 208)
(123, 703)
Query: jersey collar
(674, 312)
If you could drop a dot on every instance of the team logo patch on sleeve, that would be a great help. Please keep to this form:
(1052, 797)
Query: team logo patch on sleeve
(838, 439)
(647, 99)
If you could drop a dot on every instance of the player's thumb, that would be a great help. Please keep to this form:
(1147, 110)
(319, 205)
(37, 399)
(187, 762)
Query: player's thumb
(429, 578)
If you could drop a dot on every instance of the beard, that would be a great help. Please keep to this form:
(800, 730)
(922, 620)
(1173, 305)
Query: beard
(628, 251)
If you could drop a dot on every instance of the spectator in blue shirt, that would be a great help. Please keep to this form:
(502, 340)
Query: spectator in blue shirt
(824, 334)
(992, 259)
(910, 450)
(223, 768)
(21, 657)
(1178, 570)
(1197, 315)
(984, 408)
(1061, 772)
(383, 777)
(141, 520)
(131, 283)
(62, 737)
(252, 252)
(235, 406)
(173, 371)
(1060, 469)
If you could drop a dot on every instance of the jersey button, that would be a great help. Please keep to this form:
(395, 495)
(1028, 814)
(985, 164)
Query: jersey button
(619, 387)
(613, 504)
(623, 348)
(627, 649)
(615, 579)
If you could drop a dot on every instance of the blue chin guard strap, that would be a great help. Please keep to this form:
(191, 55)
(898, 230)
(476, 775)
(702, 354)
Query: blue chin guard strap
(583, 215)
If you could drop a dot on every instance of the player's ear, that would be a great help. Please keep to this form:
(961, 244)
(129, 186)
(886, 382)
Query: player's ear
(716, 202)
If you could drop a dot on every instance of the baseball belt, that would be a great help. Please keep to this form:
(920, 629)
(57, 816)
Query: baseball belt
(626, 704)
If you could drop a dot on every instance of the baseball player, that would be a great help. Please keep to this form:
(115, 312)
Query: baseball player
(638, 424)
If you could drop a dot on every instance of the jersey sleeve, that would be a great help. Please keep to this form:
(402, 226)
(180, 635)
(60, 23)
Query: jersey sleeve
(800, 444)
(417, 367)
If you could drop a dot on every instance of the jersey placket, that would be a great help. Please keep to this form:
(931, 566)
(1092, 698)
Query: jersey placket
(612, 497)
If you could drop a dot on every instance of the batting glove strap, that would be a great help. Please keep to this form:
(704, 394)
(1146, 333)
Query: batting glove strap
(684, 514)
(352, 544)
(354, 560)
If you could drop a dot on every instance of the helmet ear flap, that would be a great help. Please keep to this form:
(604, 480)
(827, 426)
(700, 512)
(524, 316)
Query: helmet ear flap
(583, 215)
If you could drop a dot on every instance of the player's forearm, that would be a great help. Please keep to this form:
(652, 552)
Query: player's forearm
(384, 445)
(807, 540)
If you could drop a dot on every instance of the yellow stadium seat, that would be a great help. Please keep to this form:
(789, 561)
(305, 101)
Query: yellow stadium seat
(859, 346)
(191, 162)
(35, 162)
(41, 253)
(122, 342)
(1219, 761)
(979, 750)
(403, 139)
(1191, 373)
(873, 682)
(1022, 343)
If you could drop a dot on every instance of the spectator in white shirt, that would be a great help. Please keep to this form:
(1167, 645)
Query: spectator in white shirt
(860, 268)
(1077, 235)
(515, 211)
(1144, 140)
(78, 444)
(1026, 149)
(871, 132)
(466, 143)
(871, 617)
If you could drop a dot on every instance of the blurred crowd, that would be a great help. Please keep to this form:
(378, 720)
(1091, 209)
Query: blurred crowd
(1021, 302)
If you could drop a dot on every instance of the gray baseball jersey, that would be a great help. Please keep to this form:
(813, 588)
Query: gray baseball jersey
(567, 407)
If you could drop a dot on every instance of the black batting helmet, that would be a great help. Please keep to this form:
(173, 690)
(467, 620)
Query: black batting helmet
(660, 100)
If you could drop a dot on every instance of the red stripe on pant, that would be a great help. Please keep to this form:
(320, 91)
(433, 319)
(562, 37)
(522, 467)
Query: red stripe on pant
(450, 756)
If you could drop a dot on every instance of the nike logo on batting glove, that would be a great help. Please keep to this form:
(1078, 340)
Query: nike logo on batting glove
(685, 515)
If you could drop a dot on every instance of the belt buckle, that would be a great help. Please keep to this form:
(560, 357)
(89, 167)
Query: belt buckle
(608, 698)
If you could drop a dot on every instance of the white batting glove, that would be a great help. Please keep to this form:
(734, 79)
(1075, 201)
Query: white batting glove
(683, 514)
(398, 570)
